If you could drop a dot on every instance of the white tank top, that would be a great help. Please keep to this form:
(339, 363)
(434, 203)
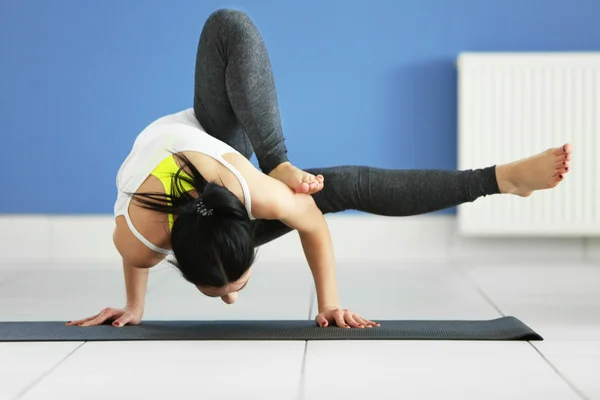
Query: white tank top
(173, 133)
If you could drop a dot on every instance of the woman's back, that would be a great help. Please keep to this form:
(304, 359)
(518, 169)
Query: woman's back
(143, 236)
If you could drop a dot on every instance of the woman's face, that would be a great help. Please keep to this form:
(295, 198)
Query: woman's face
(228, 293)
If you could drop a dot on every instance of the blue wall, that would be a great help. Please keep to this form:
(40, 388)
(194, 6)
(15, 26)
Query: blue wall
(360, 82)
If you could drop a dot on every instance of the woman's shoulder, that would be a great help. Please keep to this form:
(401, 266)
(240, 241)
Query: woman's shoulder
(133, 251)
(213, 169)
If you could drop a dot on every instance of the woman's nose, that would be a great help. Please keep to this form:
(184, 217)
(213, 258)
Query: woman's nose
(229, 298)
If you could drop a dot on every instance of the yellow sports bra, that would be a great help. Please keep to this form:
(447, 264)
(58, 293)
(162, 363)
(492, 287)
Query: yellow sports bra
(164, 172)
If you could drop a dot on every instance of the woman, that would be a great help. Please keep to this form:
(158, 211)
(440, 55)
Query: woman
(187, 188)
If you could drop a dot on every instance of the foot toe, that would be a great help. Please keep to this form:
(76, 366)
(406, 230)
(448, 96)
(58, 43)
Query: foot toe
(309, 178)
(554, 181)
(314, 189)
(302, 188)
(564, 150)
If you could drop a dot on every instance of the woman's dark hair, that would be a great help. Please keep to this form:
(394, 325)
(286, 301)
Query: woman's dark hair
(212, 236)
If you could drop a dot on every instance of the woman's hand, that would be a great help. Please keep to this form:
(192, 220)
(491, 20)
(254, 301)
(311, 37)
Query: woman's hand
(119, 316)
(298, 180)
(343, 318)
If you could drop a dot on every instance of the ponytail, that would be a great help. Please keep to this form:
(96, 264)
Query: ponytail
(212, 236)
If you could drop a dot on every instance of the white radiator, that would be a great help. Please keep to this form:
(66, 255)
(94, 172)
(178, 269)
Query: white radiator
(515, 105)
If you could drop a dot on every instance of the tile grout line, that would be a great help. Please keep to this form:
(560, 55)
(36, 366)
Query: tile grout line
(477, 289)
(302, 372)
(560, 375)
(46, 374)
(491, 303)
(311, 302)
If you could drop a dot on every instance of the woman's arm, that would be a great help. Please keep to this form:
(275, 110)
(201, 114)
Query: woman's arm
(136, 274)
(136, 284)
(136, 265)
(318, 249)
(299, 212)
(272, 199)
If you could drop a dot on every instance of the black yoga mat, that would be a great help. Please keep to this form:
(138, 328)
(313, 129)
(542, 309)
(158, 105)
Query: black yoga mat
(506, 328)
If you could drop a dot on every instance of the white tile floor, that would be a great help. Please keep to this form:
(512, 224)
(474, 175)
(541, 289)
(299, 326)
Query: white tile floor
(561, 301)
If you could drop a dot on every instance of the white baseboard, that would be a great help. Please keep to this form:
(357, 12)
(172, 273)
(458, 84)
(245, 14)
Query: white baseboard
(57, 238)
(593, 249)
(357, 238)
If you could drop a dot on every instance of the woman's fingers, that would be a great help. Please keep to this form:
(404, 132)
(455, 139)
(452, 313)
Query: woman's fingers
(120, 317)
(364, 322)
(369, 322)
(360, 320)
(322, 321)
(124, 320)
(351, 320)
(101, 318)
(80, 321)
(340, 320)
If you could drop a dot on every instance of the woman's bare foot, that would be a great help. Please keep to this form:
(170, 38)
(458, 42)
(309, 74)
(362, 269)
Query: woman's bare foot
(296, 179)
(542, 171)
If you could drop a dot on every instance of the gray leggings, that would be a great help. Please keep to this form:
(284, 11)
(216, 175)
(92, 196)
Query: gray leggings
(235, 101)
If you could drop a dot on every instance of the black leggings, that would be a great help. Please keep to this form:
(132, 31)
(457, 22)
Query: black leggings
(235, 101)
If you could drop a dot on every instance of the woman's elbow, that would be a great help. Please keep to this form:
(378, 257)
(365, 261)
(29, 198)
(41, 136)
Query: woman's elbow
(308, 216)
(298, 212)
